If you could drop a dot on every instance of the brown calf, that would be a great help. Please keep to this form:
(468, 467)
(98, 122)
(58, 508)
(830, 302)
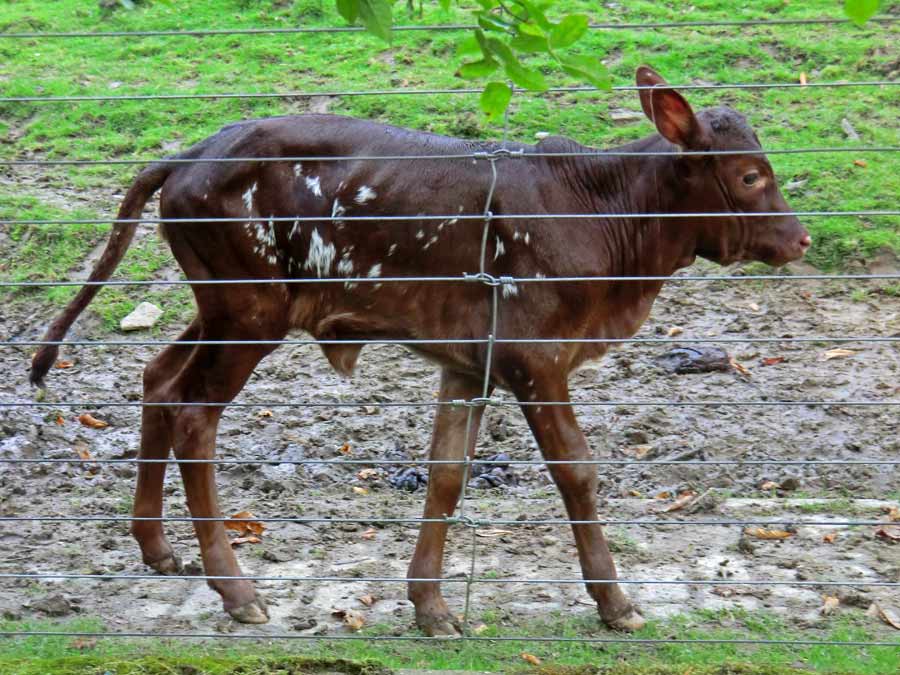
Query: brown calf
(330, 248)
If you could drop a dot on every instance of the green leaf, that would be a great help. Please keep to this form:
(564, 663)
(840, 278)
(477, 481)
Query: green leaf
(467, 46)
(568, 31)
(445, 5)
(535, 13)
(495, 99)
(376, 17)
(348, 9)
(487, 5)
(492, 23)
(525, 28)
(860, 11)
(587, 68)
(475, 69)
(526, 78)
(529, 43)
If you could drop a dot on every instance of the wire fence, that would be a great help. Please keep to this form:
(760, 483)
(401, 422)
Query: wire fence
(495, 287)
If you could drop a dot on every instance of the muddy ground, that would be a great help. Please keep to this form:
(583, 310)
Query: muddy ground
(286, 489)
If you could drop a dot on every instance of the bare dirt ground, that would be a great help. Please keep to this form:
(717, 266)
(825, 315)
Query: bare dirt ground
(358, 550)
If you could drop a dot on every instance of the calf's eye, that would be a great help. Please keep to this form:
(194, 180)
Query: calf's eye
(751, 178)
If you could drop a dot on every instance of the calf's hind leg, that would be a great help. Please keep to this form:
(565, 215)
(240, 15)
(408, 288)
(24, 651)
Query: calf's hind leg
(214, 374)
(557, 433)
(156, 442)
(448, 442)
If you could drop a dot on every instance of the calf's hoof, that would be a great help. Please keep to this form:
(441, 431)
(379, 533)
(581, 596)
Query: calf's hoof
(439, 625)
(169, 565)
(254, 611)
(628, 622)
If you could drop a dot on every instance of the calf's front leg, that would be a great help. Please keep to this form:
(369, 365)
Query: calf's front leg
(448, 442)
(557, 433)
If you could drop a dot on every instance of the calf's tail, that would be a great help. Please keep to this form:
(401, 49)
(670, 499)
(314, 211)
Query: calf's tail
(147, 182)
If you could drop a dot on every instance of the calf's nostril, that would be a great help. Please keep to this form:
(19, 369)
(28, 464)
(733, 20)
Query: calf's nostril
(806, 241)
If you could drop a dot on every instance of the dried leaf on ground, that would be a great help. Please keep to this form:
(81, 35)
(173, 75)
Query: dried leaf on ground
(531, 658)
(886, 614)
(345, 449)
(772, 360)
(83, 451)
(83, 644)
(739, 367)
(836, 353)
(675, 330)
(829, 604)
(366, 474)
(860, 163)
(830, 537)
(492, 533)
(368, 600)
(244, 524)
(352, 619)
(803, 78)
(265, 413)
(683, 500)
(889, 532)
(763, 533)
(249, 539)
(89, 420)
(60, 420)
(769, 485)
(638, 451)
(62, 365)
(893, 513)
(369, 534)
(360, 490)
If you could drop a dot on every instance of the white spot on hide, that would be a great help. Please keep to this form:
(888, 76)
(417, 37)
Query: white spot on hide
(500, 249)
(248, 197)
(392, 249)
(320, 256)
(298, 169)
(510, 290)
(375, 270)
(314, 184)
(365, 194)
(420, 234)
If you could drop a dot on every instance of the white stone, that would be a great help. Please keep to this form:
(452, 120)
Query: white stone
(145, 315)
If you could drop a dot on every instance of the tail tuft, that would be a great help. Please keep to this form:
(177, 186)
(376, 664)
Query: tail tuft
(41, 363)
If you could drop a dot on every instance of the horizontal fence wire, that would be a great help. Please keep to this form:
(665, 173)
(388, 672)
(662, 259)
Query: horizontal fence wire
(458, 579)
(873, 213)
(461, 341)
(466, 522)
(431, 28)
(73, 98)
(457, 462)
(455, 639)
(490, 341)
(664, 403)
(453, 279)
(518, 154)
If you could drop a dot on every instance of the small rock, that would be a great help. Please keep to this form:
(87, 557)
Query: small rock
(623, 115)
(145, 315)
(541, 135)
(849, 130)
(305, 624)
(684, 360)
(54, 605)
(790, 484)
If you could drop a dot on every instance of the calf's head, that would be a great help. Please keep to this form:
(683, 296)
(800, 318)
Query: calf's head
(737, 184)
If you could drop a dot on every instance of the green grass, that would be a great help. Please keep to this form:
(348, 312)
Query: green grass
(27, 656)
(264, 63)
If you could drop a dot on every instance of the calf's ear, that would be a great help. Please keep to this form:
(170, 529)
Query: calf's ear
(667, 109)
